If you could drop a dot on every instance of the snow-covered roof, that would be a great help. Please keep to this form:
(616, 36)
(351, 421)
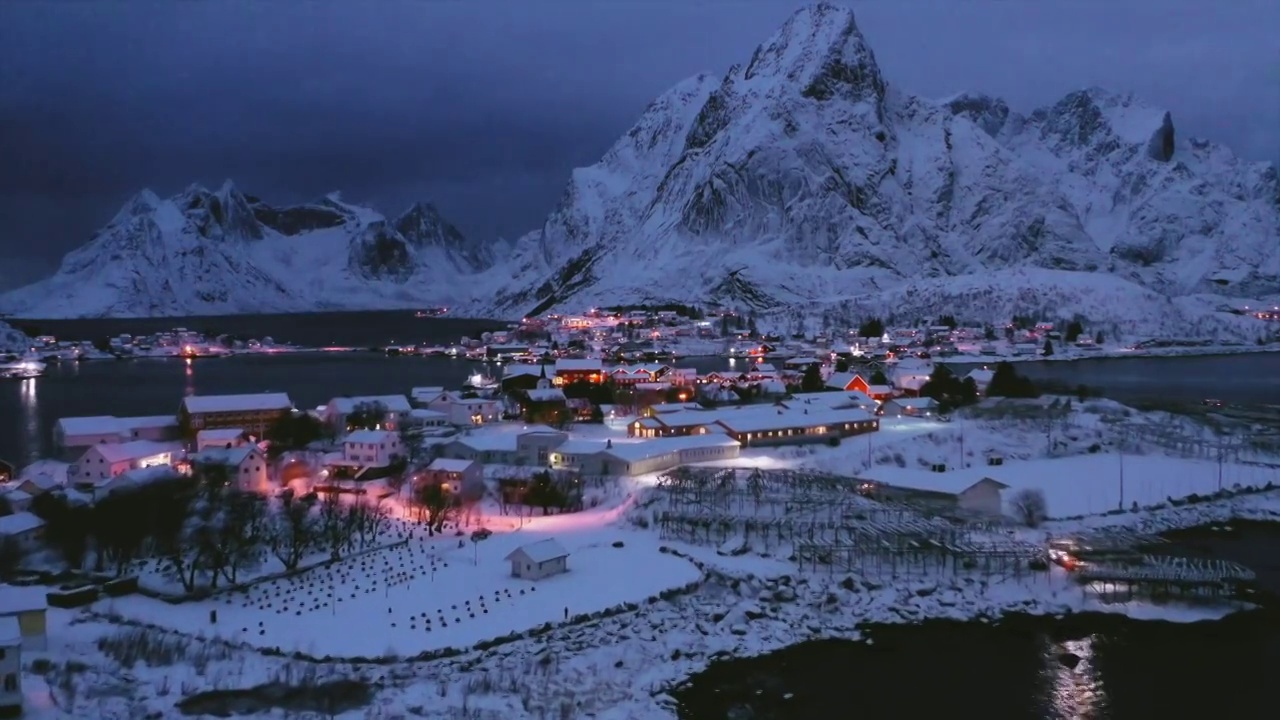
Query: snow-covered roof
(580, 446)
(761, 421)
(15, 599)
(252, 402)
(232, 457)
(423, 414)
(545, 395)
(981, 375)
(135, 450)
(19, 523)
(149, 421)
(495, 442)
(880, 390)
(450, 465)
(10, 631)
(579, 365)
(519, 369)
(92, 425)
(918, 403)
(540, 551)
(663, 408)
(645, 449)
(370, 436)
(16, 495)
(137, 478)
(426, 394)
(390, 403)
(219, 434)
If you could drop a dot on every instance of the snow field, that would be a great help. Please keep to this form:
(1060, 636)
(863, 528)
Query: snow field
(428, 594)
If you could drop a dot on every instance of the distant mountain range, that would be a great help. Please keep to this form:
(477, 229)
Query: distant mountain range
(800, 182)
(205, 252)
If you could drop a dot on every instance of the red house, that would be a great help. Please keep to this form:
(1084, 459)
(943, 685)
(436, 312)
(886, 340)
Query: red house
(854, 381)
(571, 370)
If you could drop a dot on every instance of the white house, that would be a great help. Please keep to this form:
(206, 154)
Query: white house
(538, 560)
(219, 438)
(984, 498)
(423, 396)
(912, 407)
(28, 605)
(422, 418)
(78, 432)
(10, 667)
(246, 465)
(981, 378)
(339, 409)
(911, 373)
(466, 411)
(460, 477)
(645, 456)
(372, 448)
(106, 461)
(23, 528)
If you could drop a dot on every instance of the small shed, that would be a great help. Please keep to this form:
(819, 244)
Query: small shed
(538, 560)
(10, 668)
(983, 498)
(28, 606)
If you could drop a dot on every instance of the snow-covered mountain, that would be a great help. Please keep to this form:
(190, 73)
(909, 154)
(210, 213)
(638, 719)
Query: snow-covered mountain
(13, 341)
(206, 252)
(802, 179)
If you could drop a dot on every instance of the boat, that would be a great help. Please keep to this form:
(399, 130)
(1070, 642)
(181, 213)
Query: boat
(480, 382)
(21, 367)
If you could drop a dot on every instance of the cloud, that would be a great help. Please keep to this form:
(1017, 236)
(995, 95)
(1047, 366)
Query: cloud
(485, 107)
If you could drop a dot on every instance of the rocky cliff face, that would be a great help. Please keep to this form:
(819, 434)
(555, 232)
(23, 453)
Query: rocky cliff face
(215, 252)
(803, 177)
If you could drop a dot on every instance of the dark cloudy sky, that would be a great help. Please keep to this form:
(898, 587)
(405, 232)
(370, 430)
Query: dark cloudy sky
(484, 106)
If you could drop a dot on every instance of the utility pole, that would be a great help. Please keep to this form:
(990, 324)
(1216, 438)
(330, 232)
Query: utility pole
(1121, 479)
(961, 444)
(1220, 453)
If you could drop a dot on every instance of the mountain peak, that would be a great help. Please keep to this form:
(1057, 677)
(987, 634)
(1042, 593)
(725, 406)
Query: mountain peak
(820, 49)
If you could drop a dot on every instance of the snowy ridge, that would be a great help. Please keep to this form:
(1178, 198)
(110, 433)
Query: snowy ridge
(12, 340)
(207, 252)
(802, 179)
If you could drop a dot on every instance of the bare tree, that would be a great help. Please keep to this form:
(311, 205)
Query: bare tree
(436, 501)
(332, 525)
(1029, 506)
(242, 529)
(292, 530)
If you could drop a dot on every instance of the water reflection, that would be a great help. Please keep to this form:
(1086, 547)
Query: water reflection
(30, 417)
(1075, 692)
(190, 378)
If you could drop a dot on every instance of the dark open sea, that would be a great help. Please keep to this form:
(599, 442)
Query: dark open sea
(1022, 666)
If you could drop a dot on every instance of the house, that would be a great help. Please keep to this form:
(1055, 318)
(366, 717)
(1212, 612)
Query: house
(911, 373)
(952, 492)
(421, 419)
(847, 381)
(24, 529)
(913, 407)
(666, 408)
(28, 606)
(156, 428)
(464, 478)
(981, 378)
(253, 413)
(245, 465)
(632, 374)
(466, 411)
(535, 443)
(422, 397)
(220, 438)
(653, 456)
(521, 376)
(791, 427)
(340, 409)
(372, 448)
(672, 424)
(571, 370)
(101, 462)
(10, 667)
(539, 560)
(543, 405)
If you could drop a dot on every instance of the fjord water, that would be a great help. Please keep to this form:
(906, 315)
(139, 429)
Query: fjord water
(30, 408)
(1020, 667)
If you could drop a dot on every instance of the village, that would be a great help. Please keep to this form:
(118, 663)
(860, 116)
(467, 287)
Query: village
(572, 487)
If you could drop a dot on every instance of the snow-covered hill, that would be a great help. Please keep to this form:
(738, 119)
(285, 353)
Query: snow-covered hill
(222, 252)
(13, 341)
(802, 179)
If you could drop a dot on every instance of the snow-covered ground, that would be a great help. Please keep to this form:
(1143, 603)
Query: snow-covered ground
(431, 593)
